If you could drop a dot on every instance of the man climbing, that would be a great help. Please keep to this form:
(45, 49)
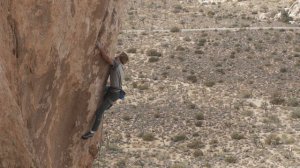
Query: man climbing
(114, 91)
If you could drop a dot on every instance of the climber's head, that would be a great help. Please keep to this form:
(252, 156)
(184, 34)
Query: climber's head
(123, 57)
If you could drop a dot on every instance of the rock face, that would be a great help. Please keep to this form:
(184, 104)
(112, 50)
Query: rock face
(51, 79)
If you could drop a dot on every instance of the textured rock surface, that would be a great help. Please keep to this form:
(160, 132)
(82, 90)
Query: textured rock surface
(51, 79)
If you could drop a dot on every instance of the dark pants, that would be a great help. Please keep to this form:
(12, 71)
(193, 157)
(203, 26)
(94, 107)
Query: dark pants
(111, 95)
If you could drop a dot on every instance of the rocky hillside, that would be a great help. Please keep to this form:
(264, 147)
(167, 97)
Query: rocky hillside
(51, 79)
(206, 98)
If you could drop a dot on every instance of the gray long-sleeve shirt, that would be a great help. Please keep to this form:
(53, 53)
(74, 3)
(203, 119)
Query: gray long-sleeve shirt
(116, 74)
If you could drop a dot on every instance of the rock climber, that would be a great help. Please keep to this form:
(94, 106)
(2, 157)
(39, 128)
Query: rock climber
(113, 92)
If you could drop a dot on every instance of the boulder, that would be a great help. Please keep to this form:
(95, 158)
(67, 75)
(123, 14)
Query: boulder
(294, 10)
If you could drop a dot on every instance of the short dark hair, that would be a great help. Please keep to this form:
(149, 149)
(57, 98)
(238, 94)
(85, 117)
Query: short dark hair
(123, 57)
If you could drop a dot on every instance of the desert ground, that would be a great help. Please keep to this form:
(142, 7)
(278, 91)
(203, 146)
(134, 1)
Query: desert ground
(221, 98)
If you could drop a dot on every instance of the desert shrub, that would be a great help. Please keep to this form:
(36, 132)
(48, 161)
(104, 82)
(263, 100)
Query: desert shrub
(179, 165)
(153, 52)
(287, 139)
(177, 8)
(165, 74)
(144, 33)
(272, 139)
(258, 46)
(211, 14)
(121, 164)
(232, 54)
(285, 17)
(153, 59)
(199, 116)
(199, 124)
(276, 99)
(156, 115)
(254, 12)
(148, 137)
(134, 84)
(216, 43)
(272, 119)
(192, 106)
(130, 13)
(187, 39)
(230, 159)
(297, 49)
(198, 153)
(297, 64)
(283, 70)
(165, 45)
(199, 52)
(127, 78)
(214, 142)
(293, 102)
(126, 117)
(196, 144)
(201, 42)
(178, 138)
(174, 29)
(296, 113)
(209, 83)
(131, 50)
(120, 42)
(143, 86)
(204, 34)
(180, 48)
(246, 95)
(192, 78)
(237, 136)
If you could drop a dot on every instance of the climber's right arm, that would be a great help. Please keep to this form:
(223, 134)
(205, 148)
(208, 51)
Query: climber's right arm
(103, 54)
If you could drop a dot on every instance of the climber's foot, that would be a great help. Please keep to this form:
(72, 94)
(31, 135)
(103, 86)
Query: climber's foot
(87, 135)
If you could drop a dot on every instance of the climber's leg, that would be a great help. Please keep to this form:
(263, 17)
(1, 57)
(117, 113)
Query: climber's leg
(110, 97)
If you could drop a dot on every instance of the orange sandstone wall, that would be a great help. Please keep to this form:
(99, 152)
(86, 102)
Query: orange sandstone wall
(51, 79)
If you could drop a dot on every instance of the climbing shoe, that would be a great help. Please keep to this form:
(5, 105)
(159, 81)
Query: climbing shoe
(87, 135)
